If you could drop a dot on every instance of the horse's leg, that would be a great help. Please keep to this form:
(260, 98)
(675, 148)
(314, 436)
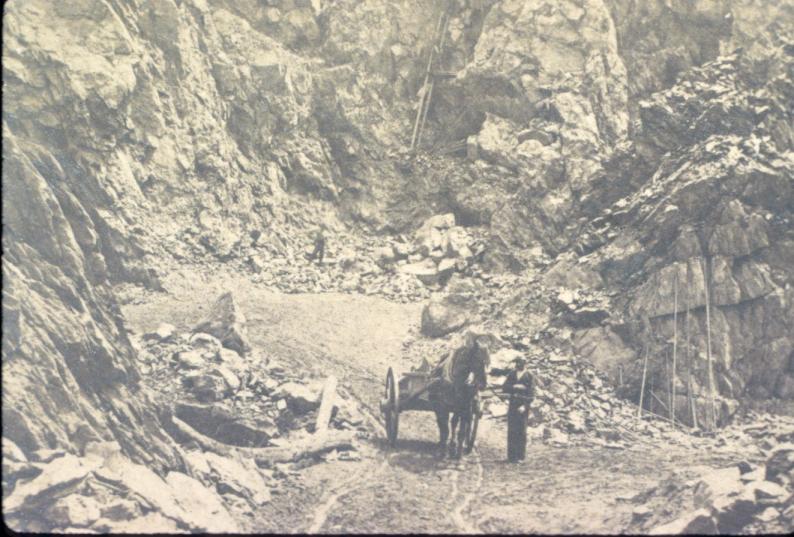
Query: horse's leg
(465, 420)
(442, 418)
(455, 422)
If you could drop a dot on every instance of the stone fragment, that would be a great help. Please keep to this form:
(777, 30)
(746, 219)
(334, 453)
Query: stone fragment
(239, 477)
(299, 397)
(190, 360)
(163, 332)
(780, 464)
(227, 375)
(722, 482)
(142, 481)
(205, 343)
(56, 475)
(234, 362)
(207, 512)
(227, 323)
(767, 492)
(208, 388)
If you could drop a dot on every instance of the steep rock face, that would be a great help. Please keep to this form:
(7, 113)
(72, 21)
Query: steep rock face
(715, 213)
(68, 369)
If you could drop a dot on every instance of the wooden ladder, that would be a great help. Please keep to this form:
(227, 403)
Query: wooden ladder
(439, 37)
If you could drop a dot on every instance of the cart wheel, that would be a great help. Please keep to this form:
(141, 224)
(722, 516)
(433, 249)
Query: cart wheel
(471, 429)
(391, 409)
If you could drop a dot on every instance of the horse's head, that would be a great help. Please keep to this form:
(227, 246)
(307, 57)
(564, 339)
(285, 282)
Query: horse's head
(480, 360)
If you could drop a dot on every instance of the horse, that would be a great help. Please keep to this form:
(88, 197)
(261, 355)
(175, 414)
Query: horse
(465, 376)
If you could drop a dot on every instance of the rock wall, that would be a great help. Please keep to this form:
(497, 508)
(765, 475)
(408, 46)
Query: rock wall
(716, 213)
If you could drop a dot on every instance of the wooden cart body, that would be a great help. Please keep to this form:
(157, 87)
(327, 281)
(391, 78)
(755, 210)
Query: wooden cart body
(412, 392)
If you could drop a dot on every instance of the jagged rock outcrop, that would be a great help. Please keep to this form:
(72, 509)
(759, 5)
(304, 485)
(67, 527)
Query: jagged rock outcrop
(68, 369)
(716, 212)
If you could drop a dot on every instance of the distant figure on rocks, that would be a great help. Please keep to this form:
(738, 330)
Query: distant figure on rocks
(319, 246)
(519, 385)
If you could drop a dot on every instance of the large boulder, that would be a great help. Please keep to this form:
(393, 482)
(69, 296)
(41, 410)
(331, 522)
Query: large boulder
(208, 514)
(239, 477)
(780, 465)
(440, 318)
(227, 323)
(208, 387)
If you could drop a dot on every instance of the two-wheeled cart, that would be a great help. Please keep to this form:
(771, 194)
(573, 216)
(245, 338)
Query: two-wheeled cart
(413, 392)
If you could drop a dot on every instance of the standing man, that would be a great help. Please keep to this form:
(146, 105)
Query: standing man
(319, 246)
(519, 385)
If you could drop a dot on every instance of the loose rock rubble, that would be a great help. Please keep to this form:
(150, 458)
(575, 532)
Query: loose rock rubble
(745, 498)
(103, 491)
(238, 399)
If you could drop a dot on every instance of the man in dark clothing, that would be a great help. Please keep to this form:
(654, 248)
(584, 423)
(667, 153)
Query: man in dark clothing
(519, 385)
(319, 247)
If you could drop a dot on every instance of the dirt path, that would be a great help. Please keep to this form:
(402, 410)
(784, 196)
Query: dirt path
(408, 489)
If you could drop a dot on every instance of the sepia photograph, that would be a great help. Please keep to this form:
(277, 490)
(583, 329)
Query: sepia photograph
(398, 267)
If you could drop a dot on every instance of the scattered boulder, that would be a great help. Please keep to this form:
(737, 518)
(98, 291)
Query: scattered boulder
(239, 477)
(163, 332)
(60, 473)
(228, 376)
(299, 398)
(234, 362)
(780, 465)
(384, 255)
(190, 360)
(226, 323)
(208, 513)
(208, 388)
(440, 318)
(205, 343)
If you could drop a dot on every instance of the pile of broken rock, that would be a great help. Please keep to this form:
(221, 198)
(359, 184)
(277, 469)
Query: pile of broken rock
(440, 249)
(738, 499)
(211, 381)
(101, 490)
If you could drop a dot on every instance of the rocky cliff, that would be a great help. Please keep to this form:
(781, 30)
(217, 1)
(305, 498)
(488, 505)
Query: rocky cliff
(610, 134)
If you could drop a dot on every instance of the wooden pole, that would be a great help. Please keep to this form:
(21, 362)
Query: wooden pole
(432, 82)
(675, 343)
(687, 354)
(326, 406)
(669, 404)
(642, 388)
(421, 107)
(710, 370)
